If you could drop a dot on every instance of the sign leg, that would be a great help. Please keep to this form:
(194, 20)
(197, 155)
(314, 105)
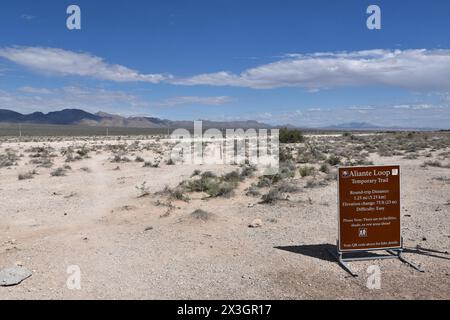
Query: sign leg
(400, 257)
(345, 266)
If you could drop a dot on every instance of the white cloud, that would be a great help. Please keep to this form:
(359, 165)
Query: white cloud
(191, 100)
(417, 106)
(30, 99)
(63, 62)
(415, 69)
(27, 17)
(410, 69)
(33, 90)
(405, 116)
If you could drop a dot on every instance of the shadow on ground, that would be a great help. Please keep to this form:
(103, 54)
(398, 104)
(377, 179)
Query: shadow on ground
(328, 252)
(318, 251)
(428, 252)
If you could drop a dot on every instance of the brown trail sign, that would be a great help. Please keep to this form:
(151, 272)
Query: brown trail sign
(369, 213)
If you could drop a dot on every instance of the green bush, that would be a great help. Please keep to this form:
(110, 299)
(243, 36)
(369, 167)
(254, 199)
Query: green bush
(324, 168)
(334, 160)
(291, 136)
(306, 171)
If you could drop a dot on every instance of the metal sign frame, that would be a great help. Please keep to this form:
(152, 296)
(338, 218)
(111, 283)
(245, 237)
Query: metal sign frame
(392, 252)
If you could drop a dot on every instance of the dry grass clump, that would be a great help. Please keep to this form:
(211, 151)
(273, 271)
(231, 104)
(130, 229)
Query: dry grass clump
(143, 189)
(324, 168)
(42, 156)
(272, 196)
(314, 183)
(59, 172)
(150, 164)
(174, 194)
(217, 186)
(306, 171)
(435, 163)
(201, 215)
(442, 179)
(73, 154)
(119, 157)
(432, 163)
(8, 159)
(28, 175)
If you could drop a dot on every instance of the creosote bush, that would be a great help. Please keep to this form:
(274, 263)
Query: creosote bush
(27, 176)
(306, 171)
(59, 172)
(291, 136)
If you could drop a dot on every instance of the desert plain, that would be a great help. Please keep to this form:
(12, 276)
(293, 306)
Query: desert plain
(141, 227)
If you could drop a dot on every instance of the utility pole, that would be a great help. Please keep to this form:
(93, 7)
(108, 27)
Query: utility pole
(20, 130)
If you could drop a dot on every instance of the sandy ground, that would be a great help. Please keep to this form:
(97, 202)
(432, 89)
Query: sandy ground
(126, 248)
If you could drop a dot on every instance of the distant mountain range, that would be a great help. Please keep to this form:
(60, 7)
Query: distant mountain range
(103, 119)
(354, 126)
(364, 126)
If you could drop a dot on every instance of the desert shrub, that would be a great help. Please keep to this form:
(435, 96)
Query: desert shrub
(331, 176)
(253, 191)
(59, 172)
(213, 185)
(27, 176)
(271, 197)
(170, 162)
(306, 171)
(315, 183)
(86, 169)
(208, 174)
(139, 159)
(411, 156)
(442, 179)
(179, 195)
(70, 157)
(324, 168)
(291, 136)
(268, 180)
(287, 170)
(432, 163)
(149, 164)
(42, 162)
(143, 189)
(201, 215)
(83, 152)
(118, 158)
(220, 189)
(196, 173)
(285, 153)
(233, 177)
(357, 162)
(8, 159)
(247, 171)
(287, 187)
(333, 160)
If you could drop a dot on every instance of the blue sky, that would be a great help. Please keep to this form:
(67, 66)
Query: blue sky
(306, 63)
